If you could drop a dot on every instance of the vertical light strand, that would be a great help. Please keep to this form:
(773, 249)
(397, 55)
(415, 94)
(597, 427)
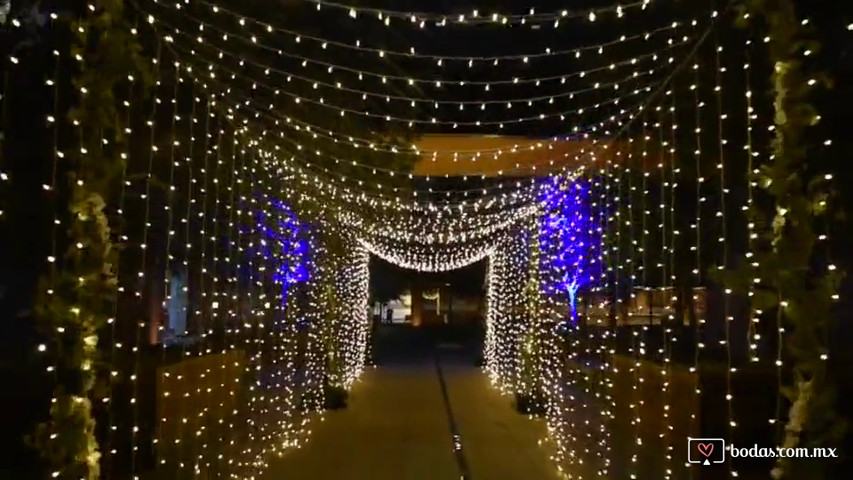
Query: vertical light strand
(619, 320)
(591, 394)
(179, 381)
(141, 280)
(560, 403)
(57, 155)
(4, 125)
(229, 408)
(282, 355)
(253, 321)
(607, 327)
(238, 318)
(312, 395)
(203, 312)
(645, 234)
(263, 381)
(115, 344)
(662, 293)
(674, 232)
(318, 358)
(697, 272)
(721, 215)
(753, 336)
(602, 327)
(274, 379)
(266, 374)
(213, 445)
(166, 305)
(50, 189)
(489, 349)
(253, 296)
(632, 260)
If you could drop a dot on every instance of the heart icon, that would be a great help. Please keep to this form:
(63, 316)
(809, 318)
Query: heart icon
(705, 449)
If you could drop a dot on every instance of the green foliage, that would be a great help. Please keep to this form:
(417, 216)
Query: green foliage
(331, 319)
(531, 313)
(789, 281)
(75, 303)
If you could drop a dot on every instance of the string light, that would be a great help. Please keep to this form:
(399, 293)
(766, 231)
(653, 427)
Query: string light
(668, 283)
(623, 216)
(721, 215)
(218, 302)
(280, 76)
(232, 296)
(391, 173)
(142, 325)
(424, 19)
(753, 335)
(557, 232)
(195, 102)
(168, 299)
(4, 175)
(646, 272)
(609, 316)
(636, 351)
(699, 306)
(247, 22)
(252, 42)
(410, 122)
(571, 227)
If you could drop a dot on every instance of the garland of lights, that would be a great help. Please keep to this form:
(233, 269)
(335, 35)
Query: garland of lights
(344, 110)
(325, 43)
(410, 122)
(504, 312)
(392, 173)
(803, 298)
(278, 76)
(302, 164)
(562, 234)
(70, 319)
(475, 18)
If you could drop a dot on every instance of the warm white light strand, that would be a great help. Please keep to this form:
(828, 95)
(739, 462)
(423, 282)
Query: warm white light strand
(475, 17)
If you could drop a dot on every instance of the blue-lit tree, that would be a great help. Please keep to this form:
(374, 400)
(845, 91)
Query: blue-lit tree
(283, 240)
(563, 261)
(280, 246)
(570, 244)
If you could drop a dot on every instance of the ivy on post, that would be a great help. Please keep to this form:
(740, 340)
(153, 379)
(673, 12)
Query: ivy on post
(336, 331)
(802, 294)
(74, 307)
(530, 398)
(334, 393)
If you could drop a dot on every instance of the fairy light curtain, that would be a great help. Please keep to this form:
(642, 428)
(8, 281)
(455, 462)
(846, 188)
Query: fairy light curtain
(244, 117)
(505, 313)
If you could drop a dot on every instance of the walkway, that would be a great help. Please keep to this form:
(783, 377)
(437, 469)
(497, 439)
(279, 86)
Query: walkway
(397, 427)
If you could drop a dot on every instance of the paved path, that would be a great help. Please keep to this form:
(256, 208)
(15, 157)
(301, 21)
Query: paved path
(498, 443)
(397, 428)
